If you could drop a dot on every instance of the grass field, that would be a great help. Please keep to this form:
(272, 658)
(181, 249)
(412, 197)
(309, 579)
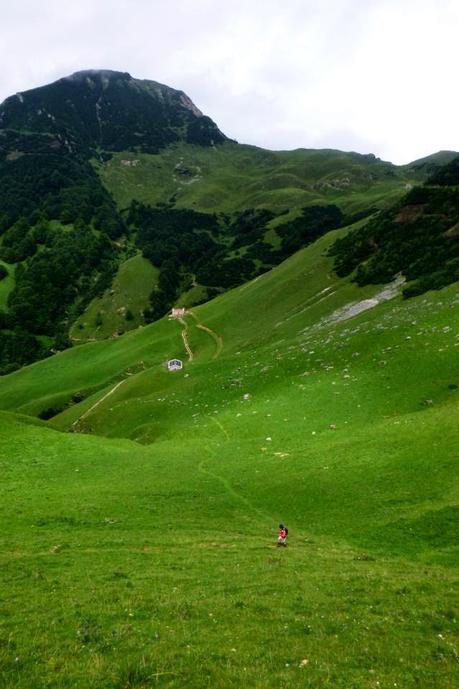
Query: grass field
(139, 550)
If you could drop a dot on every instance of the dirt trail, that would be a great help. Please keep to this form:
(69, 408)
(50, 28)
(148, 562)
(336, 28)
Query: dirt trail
(204, 469)
(221, 427)
(88, 411)
(217, 338)
(185, 339)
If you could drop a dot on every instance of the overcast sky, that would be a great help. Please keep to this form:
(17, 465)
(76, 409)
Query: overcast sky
(376, 76)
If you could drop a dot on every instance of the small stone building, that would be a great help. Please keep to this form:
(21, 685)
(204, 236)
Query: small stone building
(178, 312)
(174, 365)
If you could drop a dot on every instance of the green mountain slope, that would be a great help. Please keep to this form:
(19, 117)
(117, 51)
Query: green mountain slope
(122, 306)
(142, 544)
(103, 110)
(262, 302)
(98, 166)
(418, 237)
(430, 164)
(299, 300)
(53, 205)
(234, 177)
(139, 509)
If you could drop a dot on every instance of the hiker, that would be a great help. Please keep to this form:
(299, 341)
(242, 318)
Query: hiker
(283, 533)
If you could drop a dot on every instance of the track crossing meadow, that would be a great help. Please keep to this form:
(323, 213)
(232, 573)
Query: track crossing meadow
(142, 552)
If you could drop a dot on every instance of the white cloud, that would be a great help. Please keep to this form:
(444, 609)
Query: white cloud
(374, 75)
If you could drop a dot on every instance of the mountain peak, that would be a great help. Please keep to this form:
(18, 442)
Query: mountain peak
(103, 109)
(91, 73)
(92, 76)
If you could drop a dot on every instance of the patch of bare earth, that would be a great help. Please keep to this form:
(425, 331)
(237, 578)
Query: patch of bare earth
(410, 213)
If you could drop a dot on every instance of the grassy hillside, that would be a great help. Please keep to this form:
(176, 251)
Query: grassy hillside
(64, 229)
(140, 507)
(121, 307)
(69, 149)
(139, 550)
(241, 316)
(430, 164)
(233, 177)
(131, 566)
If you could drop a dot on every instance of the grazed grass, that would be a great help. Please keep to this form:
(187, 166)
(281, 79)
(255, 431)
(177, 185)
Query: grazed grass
(147, 557)
(131, 566)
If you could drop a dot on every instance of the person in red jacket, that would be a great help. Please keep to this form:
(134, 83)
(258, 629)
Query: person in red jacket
(283, 533)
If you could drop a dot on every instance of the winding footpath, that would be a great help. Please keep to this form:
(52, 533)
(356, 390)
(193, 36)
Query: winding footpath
(216, 338)
(218, 348)
(185, 339)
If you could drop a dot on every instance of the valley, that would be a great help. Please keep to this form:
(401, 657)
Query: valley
(144, 543)
(319, 388)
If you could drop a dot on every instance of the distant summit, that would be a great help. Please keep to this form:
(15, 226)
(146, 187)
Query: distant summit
(105, 110)
(97, 73)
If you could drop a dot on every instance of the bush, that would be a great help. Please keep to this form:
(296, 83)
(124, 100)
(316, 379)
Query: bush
(48, 413)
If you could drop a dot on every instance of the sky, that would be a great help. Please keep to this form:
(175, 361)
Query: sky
(373, 76)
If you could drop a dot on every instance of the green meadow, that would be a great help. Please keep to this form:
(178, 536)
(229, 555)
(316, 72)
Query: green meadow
(139, 522)
(231, 177)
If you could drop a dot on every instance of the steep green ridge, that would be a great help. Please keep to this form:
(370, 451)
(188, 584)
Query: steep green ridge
(252, 310)
(430, 164)
(418, 237)
(447, 175)
(154, 562)
(293, 321)
(239, 180)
